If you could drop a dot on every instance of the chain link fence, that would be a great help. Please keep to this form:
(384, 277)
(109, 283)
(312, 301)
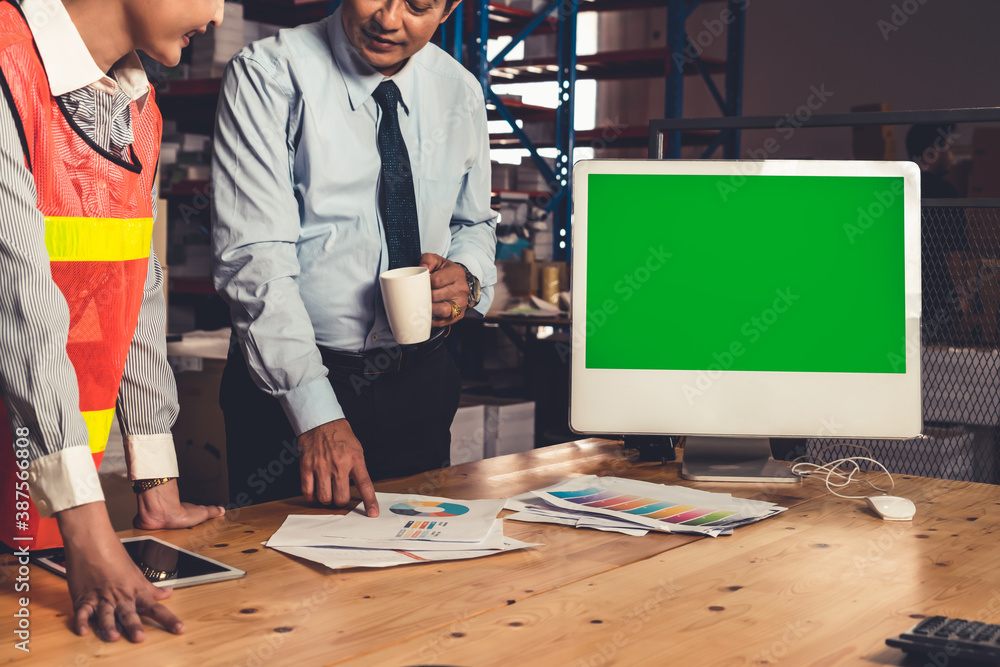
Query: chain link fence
(960, 330)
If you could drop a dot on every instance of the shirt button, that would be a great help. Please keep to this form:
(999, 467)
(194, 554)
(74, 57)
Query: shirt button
(102, 184)
(374, 336)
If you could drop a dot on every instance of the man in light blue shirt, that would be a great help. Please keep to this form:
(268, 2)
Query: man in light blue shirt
(300, 238)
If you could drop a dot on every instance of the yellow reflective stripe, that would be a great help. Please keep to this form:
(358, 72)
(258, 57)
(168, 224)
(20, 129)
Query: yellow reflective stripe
(98, 239)
(99, 428)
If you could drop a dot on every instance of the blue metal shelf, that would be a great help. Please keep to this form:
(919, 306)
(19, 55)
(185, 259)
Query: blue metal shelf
(681, 59)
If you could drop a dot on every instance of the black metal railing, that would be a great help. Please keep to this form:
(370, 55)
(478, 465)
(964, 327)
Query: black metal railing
(960, 323)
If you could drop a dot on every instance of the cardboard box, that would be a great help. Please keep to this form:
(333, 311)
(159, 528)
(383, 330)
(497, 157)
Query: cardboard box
(467, 432)
(537, 271)
(984, 179)
(509, 426)
(200, 433)
(524, 279)
(487, 426)
(503, 176)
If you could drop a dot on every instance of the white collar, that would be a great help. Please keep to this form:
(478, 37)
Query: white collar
(360, 77)
(66, 59)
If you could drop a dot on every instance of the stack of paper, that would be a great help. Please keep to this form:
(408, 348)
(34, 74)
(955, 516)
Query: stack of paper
(632, 507)
(409, 529)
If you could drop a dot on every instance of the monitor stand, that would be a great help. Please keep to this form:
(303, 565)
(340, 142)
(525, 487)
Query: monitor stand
(709, 459)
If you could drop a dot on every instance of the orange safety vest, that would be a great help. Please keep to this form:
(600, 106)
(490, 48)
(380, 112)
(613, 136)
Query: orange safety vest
(98, 230)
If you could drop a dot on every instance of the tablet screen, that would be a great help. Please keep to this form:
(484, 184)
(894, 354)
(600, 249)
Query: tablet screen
(161, 563)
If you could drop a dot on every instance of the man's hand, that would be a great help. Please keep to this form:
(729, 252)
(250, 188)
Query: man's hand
(448, 286)
(161, 507)
(104, 583)
(331, 453)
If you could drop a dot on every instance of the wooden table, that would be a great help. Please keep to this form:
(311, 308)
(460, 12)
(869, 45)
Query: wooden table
(821, 584)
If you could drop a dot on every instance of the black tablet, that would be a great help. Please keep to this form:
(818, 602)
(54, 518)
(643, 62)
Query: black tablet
(162, 563)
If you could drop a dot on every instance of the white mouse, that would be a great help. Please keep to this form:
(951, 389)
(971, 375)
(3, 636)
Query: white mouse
(892, 508)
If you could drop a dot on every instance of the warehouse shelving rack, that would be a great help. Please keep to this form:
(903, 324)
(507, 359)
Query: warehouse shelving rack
(680, 60)
(466, 36)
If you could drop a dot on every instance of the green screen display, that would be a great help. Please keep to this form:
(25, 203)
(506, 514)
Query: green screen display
(757, 273)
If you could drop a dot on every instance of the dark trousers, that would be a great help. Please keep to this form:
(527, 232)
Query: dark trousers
(401, 418)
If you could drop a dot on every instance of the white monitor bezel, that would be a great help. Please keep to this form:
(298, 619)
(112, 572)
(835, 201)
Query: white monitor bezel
(745, 403)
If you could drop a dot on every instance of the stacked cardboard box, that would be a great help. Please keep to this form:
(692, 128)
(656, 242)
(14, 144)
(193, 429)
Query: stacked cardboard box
(487, 426)
(199, 433)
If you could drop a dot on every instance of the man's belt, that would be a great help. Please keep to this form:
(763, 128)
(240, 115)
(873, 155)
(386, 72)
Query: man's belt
(383, 360)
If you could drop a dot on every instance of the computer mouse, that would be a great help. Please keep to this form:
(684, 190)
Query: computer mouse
(892, 508)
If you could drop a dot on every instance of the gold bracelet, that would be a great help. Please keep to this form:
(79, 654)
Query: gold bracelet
(140, 485)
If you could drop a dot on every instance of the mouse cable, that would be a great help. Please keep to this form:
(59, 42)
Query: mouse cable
(830, 470)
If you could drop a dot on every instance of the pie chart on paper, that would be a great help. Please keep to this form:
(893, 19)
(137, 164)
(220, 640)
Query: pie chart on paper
(428, 508)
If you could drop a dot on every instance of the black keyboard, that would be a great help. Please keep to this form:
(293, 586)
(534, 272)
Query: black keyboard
(952, 638)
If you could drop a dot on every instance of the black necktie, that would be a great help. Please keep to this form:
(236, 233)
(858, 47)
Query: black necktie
(396, 199)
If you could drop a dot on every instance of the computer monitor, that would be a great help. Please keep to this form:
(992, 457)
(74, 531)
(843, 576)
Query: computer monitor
(736, 301)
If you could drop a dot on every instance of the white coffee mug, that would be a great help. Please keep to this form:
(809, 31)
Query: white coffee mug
(406, 293)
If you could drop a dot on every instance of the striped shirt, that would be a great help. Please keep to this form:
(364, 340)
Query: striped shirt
(38, 379)
(103, 117)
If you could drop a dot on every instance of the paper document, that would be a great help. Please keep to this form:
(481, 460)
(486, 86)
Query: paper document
(410, 529)
(337, 558)
(613, 503)
(658, 506)
(308, 531)
(407, 518)
(578, 522)
(529, 507)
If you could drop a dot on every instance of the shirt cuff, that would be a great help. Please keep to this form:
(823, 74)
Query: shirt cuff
(311, 405)
(150, 456)
(485, 302)
(63, 480)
